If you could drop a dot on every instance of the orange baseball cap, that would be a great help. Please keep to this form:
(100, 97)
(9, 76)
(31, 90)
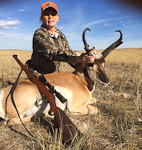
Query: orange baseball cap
(47, 5)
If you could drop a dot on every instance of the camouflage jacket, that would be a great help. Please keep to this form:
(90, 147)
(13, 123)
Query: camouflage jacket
(49, 50)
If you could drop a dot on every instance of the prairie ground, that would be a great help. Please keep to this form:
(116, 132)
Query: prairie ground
(117, 126)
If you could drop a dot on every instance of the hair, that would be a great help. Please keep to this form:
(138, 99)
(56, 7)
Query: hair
(41, 17)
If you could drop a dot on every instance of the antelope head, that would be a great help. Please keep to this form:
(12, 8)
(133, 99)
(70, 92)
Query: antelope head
(94, 72)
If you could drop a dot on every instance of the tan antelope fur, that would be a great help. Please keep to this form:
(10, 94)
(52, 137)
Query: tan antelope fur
(76, 87)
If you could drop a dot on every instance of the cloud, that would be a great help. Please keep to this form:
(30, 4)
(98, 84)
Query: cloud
(22, 10)
(6, 24)
(105, 20)
(7, 36)
(4, 28)
(15, 27)
(61, 27)
(94, 22)
(8, 18)
(108, 24)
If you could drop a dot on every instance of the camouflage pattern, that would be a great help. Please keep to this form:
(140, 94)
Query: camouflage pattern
(48, 51)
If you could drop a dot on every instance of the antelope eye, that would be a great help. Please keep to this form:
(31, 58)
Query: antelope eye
(90, 65)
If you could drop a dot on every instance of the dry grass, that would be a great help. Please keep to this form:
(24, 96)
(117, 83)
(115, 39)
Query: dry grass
(117, 126)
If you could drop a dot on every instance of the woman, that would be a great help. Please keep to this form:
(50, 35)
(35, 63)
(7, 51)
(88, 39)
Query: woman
(50, 46)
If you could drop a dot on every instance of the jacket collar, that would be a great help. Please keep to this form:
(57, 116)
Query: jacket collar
(51, 35)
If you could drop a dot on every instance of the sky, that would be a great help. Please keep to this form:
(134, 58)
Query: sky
(19, 19)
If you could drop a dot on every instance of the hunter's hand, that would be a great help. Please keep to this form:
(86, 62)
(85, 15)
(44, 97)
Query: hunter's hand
(85, 59)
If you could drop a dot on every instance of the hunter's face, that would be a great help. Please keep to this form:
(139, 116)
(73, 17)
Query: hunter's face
(50, 17)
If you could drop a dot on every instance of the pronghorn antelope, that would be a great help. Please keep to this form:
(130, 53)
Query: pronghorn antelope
(76, 87)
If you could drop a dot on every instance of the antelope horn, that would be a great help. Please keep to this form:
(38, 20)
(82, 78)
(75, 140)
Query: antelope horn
(86, 46)
(113, 46)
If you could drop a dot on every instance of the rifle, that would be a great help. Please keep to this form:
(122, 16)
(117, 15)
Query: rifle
(62, 122)
(51, 88)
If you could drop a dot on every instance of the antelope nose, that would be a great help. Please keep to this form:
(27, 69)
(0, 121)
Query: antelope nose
(107, 81)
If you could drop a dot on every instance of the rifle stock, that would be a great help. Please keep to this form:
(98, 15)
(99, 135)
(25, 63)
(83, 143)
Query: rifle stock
(62, 121)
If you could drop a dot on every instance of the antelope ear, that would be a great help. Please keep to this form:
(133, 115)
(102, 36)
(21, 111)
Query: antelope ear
(93, 50)
(97, 55)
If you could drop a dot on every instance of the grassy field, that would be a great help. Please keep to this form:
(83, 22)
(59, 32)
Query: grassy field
(117, 126)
